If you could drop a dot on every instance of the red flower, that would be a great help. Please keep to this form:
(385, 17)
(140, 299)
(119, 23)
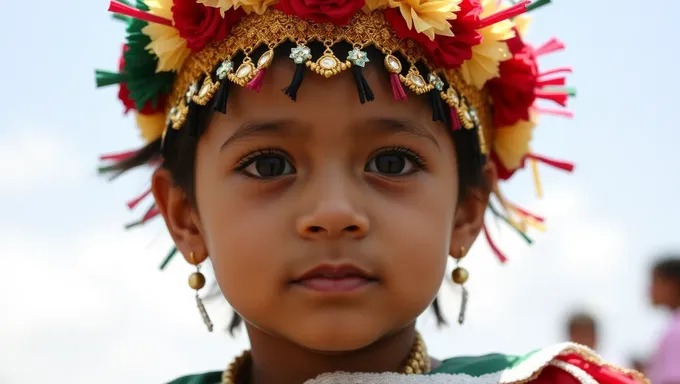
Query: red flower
(338, 12)
(124, 94)
(199, 25)
(445, 51)
(514, 91)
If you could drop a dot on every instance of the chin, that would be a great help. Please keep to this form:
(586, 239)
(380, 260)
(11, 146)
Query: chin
(339, 334)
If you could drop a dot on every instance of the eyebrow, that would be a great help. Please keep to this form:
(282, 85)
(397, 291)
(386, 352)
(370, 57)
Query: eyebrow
(396, 126)
(259, 128)
(280, 127)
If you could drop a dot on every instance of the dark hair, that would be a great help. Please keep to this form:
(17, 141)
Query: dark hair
(178, 149)
(668, 268)
(581, 319)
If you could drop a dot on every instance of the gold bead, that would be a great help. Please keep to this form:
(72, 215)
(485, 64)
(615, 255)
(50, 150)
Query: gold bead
(196, 281)
(460, 275)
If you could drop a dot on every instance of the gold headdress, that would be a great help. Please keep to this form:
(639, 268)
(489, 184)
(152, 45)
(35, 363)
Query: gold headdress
(467, 56)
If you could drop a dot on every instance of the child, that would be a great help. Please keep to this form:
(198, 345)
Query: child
(582, 329)
(664, 366)
(328, 220)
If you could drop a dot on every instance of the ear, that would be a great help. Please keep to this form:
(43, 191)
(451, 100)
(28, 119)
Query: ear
(180, 216)
(470, 213)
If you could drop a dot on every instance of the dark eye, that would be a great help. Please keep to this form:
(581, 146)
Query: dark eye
(267, 166)
(393, 163)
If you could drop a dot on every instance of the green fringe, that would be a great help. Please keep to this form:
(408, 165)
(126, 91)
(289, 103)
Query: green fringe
(169, 257)
(537, 4)
(106, 78)
(140, 67)
(498, 214)
(122, 18)
(104, 169)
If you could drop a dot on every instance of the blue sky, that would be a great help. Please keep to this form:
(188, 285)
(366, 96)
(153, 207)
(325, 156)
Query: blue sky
(83, 300)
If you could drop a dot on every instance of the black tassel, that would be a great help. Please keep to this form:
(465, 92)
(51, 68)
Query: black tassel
(292, 89)
(364, 90)
(439, 110)
(220, 100)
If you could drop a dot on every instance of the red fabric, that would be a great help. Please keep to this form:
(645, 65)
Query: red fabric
(445, 51)
(338, 12)
(124, 93)
(554, 375)
(514, 92)
(602, 374)
(199, 24)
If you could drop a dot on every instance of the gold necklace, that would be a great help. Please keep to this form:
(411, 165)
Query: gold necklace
(418, 362)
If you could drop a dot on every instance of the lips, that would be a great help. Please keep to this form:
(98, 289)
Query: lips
(335, 278)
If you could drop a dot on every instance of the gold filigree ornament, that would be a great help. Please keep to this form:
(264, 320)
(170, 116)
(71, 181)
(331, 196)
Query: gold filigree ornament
(464, 114)
(451, 97)
(207, 91)
(245, 72)
(482, 140)
(415, 81)
(178, 114)
(328, 65)
(365, 30)
(392, 64)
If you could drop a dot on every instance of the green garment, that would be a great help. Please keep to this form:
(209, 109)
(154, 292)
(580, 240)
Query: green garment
(504, 368)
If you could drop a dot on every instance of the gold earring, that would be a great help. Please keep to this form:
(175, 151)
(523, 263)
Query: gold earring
(196, 282)
(460, 275)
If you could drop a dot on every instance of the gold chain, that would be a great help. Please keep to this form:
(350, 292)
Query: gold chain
(418, 362)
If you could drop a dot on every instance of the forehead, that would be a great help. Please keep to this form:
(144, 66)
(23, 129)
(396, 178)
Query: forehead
(324, 101)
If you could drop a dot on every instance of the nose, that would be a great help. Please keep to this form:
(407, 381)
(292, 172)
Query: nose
(333, 216)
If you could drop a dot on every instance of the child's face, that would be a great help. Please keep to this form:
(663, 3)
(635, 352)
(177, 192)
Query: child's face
(583, 334)
(663, 291)
(284, 187)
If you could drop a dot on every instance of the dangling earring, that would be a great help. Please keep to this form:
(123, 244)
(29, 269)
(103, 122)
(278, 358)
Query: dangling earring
(196, 282)
(460, 276)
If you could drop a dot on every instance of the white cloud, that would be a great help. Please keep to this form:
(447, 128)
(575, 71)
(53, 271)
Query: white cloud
(34, 156)
(96, 304)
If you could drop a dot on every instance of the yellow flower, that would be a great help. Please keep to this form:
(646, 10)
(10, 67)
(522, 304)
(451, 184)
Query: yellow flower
(511, 144)
(430, 17)
(487, 56)
(522, 24)
(151, 126)
(372, 5)
(257, 6)
(166, 43)
(223, 5)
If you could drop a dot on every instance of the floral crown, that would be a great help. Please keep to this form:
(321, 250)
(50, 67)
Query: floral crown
(468, 56)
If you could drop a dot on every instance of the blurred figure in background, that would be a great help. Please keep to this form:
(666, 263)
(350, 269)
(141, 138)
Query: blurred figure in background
(664, 366)
(582, 329)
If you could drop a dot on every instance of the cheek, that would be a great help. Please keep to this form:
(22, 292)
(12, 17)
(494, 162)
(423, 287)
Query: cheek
(240, 236)
(417, 233)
